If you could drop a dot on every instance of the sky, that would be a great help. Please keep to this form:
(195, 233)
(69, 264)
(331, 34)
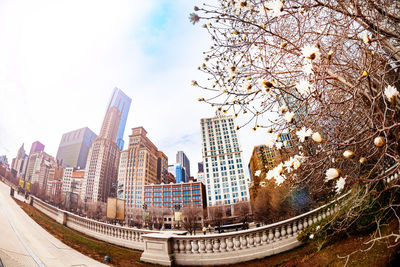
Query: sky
(60, 60)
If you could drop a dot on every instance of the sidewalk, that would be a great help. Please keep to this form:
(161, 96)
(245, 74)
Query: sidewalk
(24, 243)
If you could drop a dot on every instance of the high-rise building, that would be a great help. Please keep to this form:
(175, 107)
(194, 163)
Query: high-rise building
(138, 167)
(101, 172)
(39, 168)
(122, 102)
(3, 160)
(36, 147)
(162, 167)
(20, 162)
(222, 157)
(200, 167)
(183, 160)
(72, 180)
(74, 148)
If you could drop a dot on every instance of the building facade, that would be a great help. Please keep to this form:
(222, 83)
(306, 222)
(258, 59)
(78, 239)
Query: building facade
(137, 168)
(122, 102)
(36, 147)
(183, 160)
(20, 162)
(74, 147)
(162, 167)
(39, 169)
(173, 196)
(223, 166)
(101, 172)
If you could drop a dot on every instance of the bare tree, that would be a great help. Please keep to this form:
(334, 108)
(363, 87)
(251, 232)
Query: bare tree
(326, 71)
(242, 210)
(190, 218)
(216, 215)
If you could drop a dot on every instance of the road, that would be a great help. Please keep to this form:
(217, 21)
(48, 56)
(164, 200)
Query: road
(24, 243)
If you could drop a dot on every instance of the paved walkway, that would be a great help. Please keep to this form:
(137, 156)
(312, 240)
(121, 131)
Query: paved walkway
(24, 243)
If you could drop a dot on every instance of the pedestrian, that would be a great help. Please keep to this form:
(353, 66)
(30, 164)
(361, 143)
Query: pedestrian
(204, 230)
(209, 228)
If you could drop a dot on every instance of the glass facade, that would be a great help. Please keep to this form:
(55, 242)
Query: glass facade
(122, 102)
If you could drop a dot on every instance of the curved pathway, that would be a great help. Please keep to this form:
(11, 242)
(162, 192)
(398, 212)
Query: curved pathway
(24, 243)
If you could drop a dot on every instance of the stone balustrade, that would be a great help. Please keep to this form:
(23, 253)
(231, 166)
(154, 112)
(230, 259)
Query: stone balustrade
(119, 235)
(229, 248)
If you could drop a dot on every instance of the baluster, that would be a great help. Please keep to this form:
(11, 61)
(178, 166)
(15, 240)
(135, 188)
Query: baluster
(202, 246)
(283, 232)
(181, 246)
(223, 244)
(310, 221)
(315, 219)
(305, 223)
(188, 246)
(176, 246)
(209, 246)
(277, 233)
(258, 239)
(230, 244)
(270, 236)
(216, 245)
(237, 243)
(289, 229)
(294, 228)
(195, 246)
(251, 240)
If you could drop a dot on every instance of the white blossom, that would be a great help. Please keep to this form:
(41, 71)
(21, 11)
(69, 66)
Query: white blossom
(274, 7)
(310, 52)
(340, 184)
(332, 173)
(303, 87)
(289, 116)
(279, 145)
(391, 92)
(311, 236)
(271, 140)
(317, 137)
(307, 67)
(303, 133)
(318, 227)
(257, 173)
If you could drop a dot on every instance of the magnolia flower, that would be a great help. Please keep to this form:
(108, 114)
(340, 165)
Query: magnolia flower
(340, 184)
(303, 86)
(363, 160)
(303, 133)
(391, 92)
(366, 38)
(284, 109)
(332, 173)
(257, 173)
(317, 137)
(379, 141)
(318, 227)
(307, 68)
(279, 179)
(289, 116)
(310, 52)
(348, 154)
(274, 7)
(311, 236)
(279, 145)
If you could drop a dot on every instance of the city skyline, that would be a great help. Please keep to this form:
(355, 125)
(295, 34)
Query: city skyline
(151, 53)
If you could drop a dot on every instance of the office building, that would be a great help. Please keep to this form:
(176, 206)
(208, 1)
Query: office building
(20, 162)
(3, 160)
(122, 102)
(162, 167)
(200, 167)
(183, 160)
(222, 157)
(138, 167)
(39, 169)
(72, 180)
(175, 196)
(101, 172)
(74, 148)
(36, 147)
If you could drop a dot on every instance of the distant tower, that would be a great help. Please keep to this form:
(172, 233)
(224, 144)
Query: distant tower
(183, 160)
(223, 165)
(101, 174)
(74, 148)
(122, 102)
(20, 162)
(36, 147)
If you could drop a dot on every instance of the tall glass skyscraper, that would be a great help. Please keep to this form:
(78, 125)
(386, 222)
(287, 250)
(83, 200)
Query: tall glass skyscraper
(122, 102)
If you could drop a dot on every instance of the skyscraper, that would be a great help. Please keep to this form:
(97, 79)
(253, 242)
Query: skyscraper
(137, 167)
(222, 158)
(20, 162)
(74, 147)
(183, 160)
(36, 147)
(101, 171)
(122, 102)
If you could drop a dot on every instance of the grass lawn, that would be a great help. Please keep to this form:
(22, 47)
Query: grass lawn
(306, 255)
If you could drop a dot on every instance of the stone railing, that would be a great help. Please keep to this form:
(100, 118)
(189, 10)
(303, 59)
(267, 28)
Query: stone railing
(228, 248)
(118, 235)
